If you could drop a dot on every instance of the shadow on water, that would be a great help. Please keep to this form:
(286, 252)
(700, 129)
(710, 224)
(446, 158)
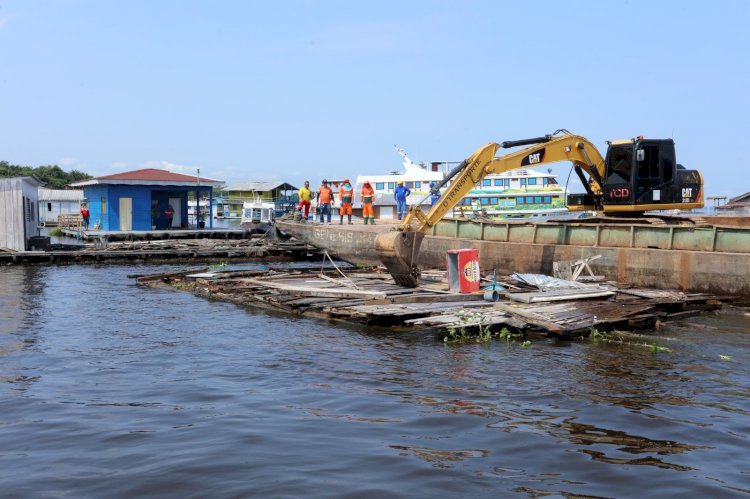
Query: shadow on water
(166, 394)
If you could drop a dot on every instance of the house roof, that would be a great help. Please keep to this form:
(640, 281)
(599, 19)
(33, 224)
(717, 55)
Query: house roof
(150, 176)
(260, 186)
(60, 194)
(742, 198)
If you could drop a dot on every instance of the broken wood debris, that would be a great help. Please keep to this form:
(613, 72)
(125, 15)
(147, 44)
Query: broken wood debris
(373, 298)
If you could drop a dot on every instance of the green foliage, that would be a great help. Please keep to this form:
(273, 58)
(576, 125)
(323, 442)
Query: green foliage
(52, 175)
(56, 232)
(218, 266)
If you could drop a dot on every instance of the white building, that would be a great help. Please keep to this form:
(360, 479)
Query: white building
(55, 202)
(18, 212)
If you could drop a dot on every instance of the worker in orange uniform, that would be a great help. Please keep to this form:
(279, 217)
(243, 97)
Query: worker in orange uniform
(346, 192)
(325, 201)
(368, 197)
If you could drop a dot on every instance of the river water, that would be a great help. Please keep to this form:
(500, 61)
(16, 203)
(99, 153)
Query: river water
(113, 390)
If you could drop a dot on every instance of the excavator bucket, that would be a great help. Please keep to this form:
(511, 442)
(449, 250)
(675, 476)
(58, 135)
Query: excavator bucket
(398, 250)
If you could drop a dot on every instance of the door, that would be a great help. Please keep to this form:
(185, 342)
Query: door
(177, 207)
(126, 213)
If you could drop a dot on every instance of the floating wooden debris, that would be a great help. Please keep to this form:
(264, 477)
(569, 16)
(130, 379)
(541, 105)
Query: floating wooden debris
(373, 298)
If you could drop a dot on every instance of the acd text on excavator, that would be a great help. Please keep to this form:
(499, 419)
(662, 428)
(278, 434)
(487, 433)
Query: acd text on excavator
(636, 175)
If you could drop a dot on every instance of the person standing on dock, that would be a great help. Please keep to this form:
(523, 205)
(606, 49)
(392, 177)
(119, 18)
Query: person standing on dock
(346, 193)
(325, 199)
(85, 215)
(434, 194)
(368, 197)
(169, 215)
(400, 195)
(305, 198)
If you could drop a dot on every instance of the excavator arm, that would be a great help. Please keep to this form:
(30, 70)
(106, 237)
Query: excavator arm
(398, 249)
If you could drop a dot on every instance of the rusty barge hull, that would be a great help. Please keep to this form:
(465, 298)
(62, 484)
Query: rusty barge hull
(701, 259)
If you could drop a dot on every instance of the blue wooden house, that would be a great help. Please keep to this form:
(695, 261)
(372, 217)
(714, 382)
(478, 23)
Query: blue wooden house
(139, 199)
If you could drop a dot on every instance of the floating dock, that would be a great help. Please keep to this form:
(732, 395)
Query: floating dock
(373, 298)
(703, 258)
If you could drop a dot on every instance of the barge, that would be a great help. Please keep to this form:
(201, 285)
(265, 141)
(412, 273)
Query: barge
(710, 257)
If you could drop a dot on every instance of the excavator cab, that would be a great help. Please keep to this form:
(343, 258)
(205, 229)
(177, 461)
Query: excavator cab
(640, 175)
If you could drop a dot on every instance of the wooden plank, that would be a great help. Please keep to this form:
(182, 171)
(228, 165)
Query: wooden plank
(558, 295)
(319, 291)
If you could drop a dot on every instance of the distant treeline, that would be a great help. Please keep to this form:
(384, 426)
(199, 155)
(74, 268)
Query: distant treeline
(52, 175)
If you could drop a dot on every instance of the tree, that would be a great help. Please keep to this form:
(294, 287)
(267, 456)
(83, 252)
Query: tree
(52, 175)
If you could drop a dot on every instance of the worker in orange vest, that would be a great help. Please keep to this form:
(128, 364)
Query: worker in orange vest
(325, 200)
(368, 198)
(346, 192)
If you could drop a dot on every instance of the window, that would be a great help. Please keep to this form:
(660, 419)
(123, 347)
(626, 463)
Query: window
(523, 181)
(538, 199)
(409, 185)
(390, 186)
(486, 182)
(506, 182)
(547, 200)
(521, 201)
(379, 186)
(493, 200)
(485, 201)
(49, 206)
(467, 201)
(649, 167)
(529, 200)
(545, 181)
(532, 181)
(418, 185)
(498, 181)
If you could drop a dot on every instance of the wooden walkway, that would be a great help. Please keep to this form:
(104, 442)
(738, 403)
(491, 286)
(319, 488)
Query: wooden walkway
(372, 298)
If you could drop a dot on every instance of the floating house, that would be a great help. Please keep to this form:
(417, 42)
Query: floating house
(739, 205)
(228, 203)
(138, 199)
(56, 203)
(19, 219)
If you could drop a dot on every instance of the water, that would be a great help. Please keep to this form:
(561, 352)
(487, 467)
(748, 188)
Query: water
(113, 390)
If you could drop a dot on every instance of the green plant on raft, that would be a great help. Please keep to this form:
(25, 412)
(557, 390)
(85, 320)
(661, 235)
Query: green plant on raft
(57, 232)
(183, 284)
(526, 344)
(217, 266)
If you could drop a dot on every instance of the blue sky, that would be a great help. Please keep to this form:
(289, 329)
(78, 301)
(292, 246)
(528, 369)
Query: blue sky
(291, 90)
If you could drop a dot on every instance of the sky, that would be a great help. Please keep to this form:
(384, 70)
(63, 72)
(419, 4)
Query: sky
(309, 89)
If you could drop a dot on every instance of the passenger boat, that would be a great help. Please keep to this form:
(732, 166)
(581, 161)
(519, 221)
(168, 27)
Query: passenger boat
(522, 193)
(257, 216)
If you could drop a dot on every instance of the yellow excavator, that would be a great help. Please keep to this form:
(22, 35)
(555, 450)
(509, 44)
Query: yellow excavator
(636, 175)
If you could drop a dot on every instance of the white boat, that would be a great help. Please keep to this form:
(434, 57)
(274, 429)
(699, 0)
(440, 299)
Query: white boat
(257, 216)
(522, 193)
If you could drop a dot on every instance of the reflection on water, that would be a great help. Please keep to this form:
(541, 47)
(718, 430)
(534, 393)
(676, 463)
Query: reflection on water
(167, 394)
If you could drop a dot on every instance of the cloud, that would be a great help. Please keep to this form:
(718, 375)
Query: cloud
(172, 167)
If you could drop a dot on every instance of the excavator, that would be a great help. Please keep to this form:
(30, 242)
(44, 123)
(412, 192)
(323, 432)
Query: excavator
(635, 176)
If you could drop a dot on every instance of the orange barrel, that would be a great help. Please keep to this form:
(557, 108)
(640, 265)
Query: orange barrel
(463, 270)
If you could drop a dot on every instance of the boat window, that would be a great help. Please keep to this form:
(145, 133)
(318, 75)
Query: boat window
(520, 200)
(506, 182)
(390, 186)
(487, 182)
(547, 199)
(485, 200)
(538, 199)
(532, 181)
(529, 200)
(380, 186)
(523, 181)
(493, 200)
(545, 181)
(418, 185)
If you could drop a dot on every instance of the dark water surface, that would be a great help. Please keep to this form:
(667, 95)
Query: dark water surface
(112, 390)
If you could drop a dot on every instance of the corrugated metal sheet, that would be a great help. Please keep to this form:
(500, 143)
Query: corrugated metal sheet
(60, 194)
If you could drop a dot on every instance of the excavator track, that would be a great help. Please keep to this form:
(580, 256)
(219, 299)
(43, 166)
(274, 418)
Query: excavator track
(648, 220)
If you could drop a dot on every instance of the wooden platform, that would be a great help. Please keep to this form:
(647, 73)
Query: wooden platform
(172, 250)
(372, 298)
